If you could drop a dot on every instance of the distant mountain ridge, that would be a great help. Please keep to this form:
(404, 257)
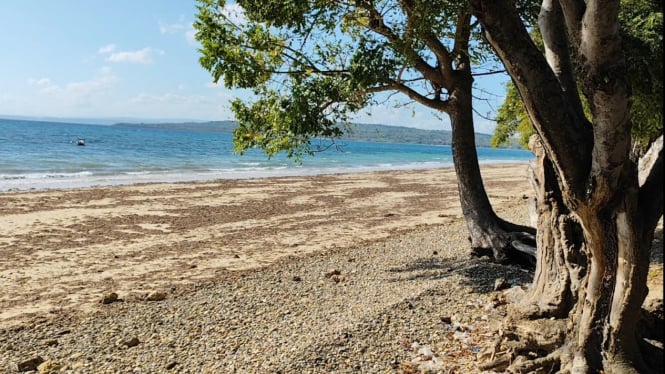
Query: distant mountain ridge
(358, 131)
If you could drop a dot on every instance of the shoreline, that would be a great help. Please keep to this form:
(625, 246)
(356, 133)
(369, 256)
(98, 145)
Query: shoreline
(340, 273)
(48, 182)
(63, 249)
(347, 273)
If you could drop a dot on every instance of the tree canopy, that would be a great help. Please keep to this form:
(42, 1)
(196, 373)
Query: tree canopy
(313, 64)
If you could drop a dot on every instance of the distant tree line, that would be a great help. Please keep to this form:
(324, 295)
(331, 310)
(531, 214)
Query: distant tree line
(358, 132)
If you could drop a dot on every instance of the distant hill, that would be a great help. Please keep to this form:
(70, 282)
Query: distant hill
(360, 132)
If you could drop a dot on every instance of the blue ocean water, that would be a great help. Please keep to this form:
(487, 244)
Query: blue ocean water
(44, 155)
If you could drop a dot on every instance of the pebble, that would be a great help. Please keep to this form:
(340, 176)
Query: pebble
(29, 364)
(156, 296)
(110, 298)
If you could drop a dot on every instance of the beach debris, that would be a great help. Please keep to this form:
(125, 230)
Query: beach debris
(426, 361)
(110, 298)
(296, 278)
(48, 367)
(426, 353)
(500, 284)
(156, 296)
(446, 320)
(335, 275)
(29, 364)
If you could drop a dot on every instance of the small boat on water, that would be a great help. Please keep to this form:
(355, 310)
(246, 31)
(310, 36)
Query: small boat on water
(80, 142)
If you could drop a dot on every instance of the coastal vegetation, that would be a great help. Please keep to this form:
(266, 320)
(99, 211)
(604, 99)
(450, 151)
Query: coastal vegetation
(596, 206)
(355, 131)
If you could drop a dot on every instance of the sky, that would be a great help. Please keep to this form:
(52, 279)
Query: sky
(138, 59)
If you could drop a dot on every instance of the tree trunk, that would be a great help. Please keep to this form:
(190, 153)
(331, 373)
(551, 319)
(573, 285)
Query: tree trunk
(489, 234)
(561, 258)
(596, 218)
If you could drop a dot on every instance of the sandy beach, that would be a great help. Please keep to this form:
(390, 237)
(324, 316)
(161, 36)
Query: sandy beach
(293, 274)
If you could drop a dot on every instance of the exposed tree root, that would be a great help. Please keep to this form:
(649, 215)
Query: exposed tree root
(528, 346)
(539, 346)
(519, 248)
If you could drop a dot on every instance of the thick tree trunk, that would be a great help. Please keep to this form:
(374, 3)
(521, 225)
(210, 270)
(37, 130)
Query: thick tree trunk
(596, 219)
(488, 233)
(561, 258)
(604, 330)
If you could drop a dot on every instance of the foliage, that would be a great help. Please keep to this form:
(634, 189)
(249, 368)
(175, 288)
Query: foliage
(642, 32)
(642, 25)
(512, 119)
(312, 65)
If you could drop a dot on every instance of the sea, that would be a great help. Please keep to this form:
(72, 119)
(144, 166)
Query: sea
(37, 155)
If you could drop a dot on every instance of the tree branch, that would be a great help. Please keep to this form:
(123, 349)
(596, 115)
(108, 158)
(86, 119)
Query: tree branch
(567, 141)
(573, 11)
(377, 25)
(552, 28)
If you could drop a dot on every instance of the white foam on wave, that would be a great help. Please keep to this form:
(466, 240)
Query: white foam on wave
(50, 181)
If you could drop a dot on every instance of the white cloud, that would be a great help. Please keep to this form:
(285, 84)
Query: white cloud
(190, 35)
(107, 49)
(104, 79)
(45, 85)
(142, 56)
(82, 97)
(172, 28)
(172, 105)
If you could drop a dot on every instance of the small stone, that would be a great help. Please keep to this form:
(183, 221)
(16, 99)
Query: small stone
(133, 342)
(332, 273)
(171, 365)
(434, 253)
(500, 284)
(30, 364)
(337, 278)
(156, 296)
(110, 298)
(48, 367)
(446, 319)
(50, 342)
(296, 278)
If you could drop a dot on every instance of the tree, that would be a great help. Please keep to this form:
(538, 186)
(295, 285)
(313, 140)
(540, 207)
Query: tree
(598, 207)
(311, 64)
(641, 30)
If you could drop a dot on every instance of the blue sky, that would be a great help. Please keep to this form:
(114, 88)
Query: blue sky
(133, 58)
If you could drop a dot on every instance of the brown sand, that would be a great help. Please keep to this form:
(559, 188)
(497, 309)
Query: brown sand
(62, 250)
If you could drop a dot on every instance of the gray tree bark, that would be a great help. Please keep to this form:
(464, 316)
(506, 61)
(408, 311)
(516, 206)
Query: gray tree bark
(595, 226)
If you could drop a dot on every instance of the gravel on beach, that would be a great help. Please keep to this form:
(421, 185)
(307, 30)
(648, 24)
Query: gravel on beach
(414, 301)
